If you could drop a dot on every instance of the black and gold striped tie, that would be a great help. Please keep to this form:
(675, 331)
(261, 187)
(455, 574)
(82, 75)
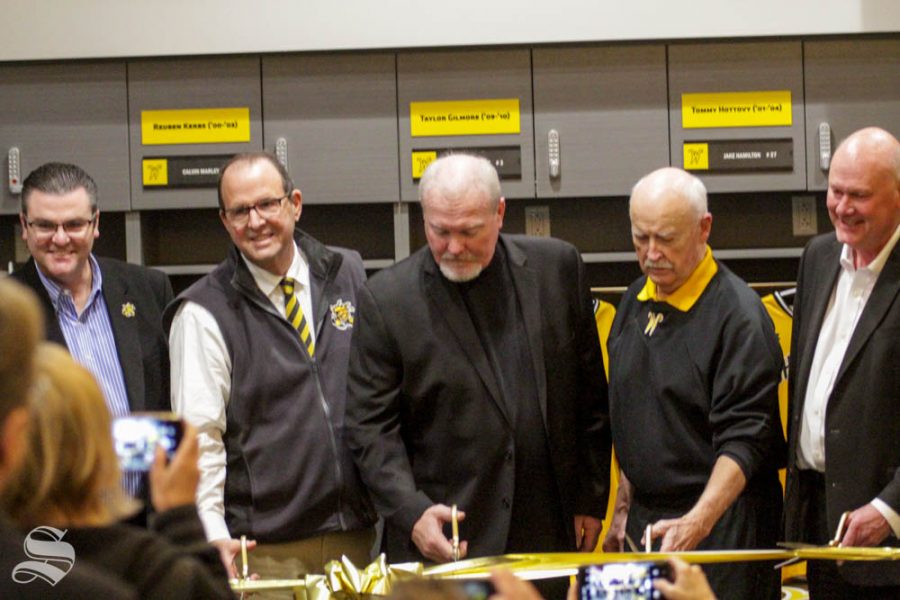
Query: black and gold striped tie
(294, 314)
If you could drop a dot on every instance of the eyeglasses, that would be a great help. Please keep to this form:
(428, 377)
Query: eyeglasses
(74, 228)
(266, 209)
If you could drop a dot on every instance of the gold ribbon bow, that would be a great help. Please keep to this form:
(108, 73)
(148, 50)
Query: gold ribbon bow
(342, 581)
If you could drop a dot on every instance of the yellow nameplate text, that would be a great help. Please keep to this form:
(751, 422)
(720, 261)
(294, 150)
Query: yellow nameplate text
(195, 126)
(464, 117)
(736, 109)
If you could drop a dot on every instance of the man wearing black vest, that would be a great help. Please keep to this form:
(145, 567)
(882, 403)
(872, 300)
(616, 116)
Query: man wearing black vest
(476, 379)
(259, 362)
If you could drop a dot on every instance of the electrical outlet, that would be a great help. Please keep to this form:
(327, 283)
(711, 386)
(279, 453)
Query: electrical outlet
(21, 253)
(537, 221)
(804, 215)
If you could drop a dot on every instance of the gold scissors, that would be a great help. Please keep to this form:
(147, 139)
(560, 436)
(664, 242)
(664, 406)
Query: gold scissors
(631, 545)
(454, 524)
(834, 543)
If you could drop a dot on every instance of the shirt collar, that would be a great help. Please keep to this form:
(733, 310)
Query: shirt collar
(687, 295)
(54, 290)
(876, 265)
(267, 282)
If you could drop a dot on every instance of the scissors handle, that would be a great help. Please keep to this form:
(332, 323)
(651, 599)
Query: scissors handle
(841, 530)
(454, 523)
(245, 564)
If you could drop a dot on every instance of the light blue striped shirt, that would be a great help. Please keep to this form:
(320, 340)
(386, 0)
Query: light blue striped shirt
(91, 342)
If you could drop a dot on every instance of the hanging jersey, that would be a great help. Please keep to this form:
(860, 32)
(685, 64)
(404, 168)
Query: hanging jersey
(779, 308)
(604, 313)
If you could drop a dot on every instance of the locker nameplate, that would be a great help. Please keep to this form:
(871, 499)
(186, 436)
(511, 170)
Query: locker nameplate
(736, 109)
(739, 155)
(182, 171)
(464, 117)
(195, 126)
(506, 159)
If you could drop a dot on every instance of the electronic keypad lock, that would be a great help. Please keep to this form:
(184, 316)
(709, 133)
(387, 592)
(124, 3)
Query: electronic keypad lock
(553, 152)
(824, 146)
(281, 151)
(14, 170)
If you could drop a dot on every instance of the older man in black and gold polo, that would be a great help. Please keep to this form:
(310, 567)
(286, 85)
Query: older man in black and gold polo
(694, 371)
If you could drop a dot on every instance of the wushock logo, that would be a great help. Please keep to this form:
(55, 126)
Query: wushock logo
(52, 558)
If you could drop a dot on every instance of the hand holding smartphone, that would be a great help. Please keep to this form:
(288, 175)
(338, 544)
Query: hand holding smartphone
(136, 437)
(610, 581)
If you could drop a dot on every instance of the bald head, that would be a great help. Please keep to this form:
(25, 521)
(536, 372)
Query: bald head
(671, 185)
(875, 144)
(670, 225)
(864, 192)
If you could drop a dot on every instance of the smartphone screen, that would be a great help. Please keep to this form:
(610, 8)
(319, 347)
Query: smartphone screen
(611, 581)
(477, 589)
(137, 436)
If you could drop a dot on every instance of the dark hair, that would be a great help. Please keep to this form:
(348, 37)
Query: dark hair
(58, 178)
(252, 157)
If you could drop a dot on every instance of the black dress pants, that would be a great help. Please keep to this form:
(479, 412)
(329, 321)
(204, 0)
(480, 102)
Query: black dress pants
(825, 581)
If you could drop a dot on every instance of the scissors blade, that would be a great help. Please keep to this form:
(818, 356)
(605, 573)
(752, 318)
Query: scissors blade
(631, 545)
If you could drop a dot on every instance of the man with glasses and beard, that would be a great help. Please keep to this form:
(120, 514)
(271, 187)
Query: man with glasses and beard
(259, 363)
(108, 313)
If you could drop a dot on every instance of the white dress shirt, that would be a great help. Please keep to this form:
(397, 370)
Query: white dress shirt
(201, 382)
(848, 299)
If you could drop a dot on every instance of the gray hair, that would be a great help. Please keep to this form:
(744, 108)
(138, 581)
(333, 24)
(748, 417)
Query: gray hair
(673, 180)
(58, 179)
(454, 176)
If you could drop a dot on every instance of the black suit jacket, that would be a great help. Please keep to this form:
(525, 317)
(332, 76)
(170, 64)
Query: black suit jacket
(425, 418)
(140, 340)
(862, 421)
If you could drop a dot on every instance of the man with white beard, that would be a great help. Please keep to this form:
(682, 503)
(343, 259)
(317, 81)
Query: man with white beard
(476, 380)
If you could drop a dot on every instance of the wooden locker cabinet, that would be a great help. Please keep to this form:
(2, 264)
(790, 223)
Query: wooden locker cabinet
(72, 112)
(466, 75)
(850, 84)
(337, 115)
(609, 107)
(189, 83)
(740, 67)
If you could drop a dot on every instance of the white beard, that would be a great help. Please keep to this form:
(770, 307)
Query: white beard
(460, 274)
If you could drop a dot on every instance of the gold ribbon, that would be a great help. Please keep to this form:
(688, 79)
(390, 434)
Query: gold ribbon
(539, 566)
(344, 581)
